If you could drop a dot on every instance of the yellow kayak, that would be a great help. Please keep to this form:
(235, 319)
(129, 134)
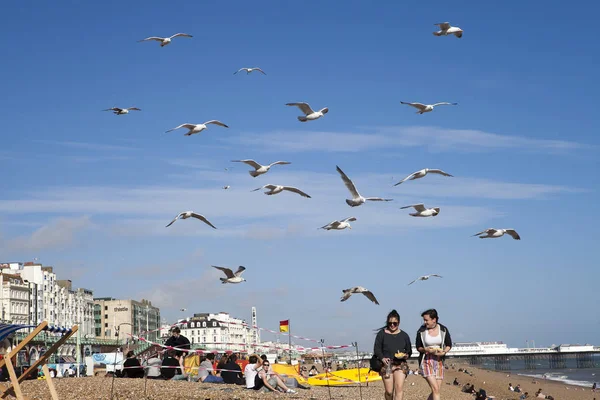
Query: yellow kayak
(344, 377)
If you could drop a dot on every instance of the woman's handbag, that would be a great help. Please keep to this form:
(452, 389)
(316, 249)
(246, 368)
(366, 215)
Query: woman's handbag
(375, 364)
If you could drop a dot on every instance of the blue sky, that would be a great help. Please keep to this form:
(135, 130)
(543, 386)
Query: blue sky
(90, 192)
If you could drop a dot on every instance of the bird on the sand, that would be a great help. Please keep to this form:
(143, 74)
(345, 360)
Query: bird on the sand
(165, 41)
(423, 108)
(424, 278)
(197, 128)
(421, 173)
(357, 199)
(274, 189)
(122, 111)
(339, 225)
(358, 289)
(421, 211)
(309, 114)
(260, 169)
(190, 214)
(496, 233)
(248, 70)
(446, 29)
(232, 277)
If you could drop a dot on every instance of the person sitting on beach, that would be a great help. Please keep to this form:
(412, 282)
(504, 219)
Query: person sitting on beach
(455, 382)
(510, 387)
(170, 366)
(313, 371)
(518, 388)
(221, 364)
(251, 370)
(232, 373)
(153, 367)
(524, 396)
(266, 381)
(132, 367)
(206, 372)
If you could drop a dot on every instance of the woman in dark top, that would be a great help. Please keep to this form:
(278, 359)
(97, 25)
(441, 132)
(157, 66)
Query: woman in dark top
(132, 367)
(389, 341)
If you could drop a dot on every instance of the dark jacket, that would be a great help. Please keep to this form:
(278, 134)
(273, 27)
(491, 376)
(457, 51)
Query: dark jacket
(167, 371)
(446, 339)
(131, 370)
(233, 374)
(180, 342)
(387, 344)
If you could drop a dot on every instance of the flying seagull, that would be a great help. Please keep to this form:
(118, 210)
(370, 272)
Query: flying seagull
(309, 114)
(165, 41)
(422, 211)
(446, 29)
(190, 214)
(231, 276)
(226, 187)
(248, 70)
(260, 169)
(423, 108)
(274, 189)
(339, 225)
(422, 173)
(122, 111)
(197, 128)
(358, 289)
(424, 278)
(357, 199)
(496, 233)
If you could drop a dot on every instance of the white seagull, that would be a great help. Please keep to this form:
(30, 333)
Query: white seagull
(260, 169)
(274, 189)
(309, 114)
(424, 278)
(339, 225)
(190, 214)
(358, 289)
(231, 276)
(357, 199)
(422, 211)
(122, 111)
(165, 41)
(446, 29)
(422, 173)
(423, 108)
(248, 70)
(197, 128)
(496, 233)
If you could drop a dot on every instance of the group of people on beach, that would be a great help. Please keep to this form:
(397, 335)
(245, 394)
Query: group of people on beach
(393, 347)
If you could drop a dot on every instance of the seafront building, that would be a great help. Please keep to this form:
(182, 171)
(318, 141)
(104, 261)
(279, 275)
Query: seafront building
(125, 318)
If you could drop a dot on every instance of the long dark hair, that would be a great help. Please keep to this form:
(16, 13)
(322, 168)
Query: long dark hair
(392, 314)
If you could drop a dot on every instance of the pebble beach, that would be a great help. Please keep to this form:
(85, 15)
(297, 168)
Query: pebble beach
(99, 388)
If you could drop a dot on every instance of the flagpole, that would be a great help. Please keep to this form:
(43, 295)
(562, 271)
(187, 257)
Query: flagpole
(290, 340)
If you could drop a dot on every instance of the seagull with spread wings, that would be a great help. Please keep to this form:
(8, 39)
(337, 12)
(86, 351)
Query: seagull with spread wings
(358, 289)
(421, 211)
(357, 199)
(424, 278)
(232, 277)
(339, 225)
(197, 128)
(446, 29)
(496, 233)
(191, 214)
(165, 41)
(421, 173)
(248, 70)
(309, 114)
(260, 169)
(274, 189)
(423, 108)
(122, 111)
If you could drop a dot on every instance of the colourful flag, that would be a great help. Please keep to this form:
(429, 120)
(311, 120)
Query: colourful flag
(284, 326)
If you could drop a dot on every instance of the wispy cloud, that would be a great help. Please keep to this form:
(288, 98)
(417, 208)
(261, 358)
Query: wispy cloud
(433, 138)
(86, 145)
(57, 234)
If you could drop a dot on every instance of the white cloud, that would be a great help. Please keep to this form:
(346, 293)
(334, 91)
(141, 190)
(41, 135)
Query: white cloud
(59, 233)
(434, 138)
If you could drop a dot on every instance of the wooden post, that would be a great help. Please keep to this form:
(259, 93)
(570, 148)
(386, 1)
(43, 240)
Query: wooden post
(50, 382)
(13, 378)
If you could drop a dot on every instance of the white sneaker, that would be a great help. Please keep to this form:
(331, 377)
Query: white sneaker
(291, 391)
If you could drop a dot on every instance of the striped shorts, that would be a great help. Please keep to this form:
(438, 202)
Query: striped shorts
(432, 366)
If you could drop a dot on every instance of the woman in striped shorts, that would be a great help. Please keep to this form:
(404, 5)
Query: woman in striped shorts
(433, 342)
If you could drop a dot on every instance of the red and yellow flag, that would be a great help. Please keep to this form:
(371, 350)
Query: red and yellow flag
(284, 326)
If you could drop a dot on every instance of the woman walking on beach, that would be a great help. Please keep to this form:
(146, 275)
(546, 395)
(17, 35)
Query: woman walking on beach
(392, 347)
(433, 342)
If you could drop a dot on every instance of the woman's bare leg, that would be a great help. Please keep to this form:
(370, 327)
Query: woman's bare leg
(388, 384)
(399, 378)
(434, 384)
